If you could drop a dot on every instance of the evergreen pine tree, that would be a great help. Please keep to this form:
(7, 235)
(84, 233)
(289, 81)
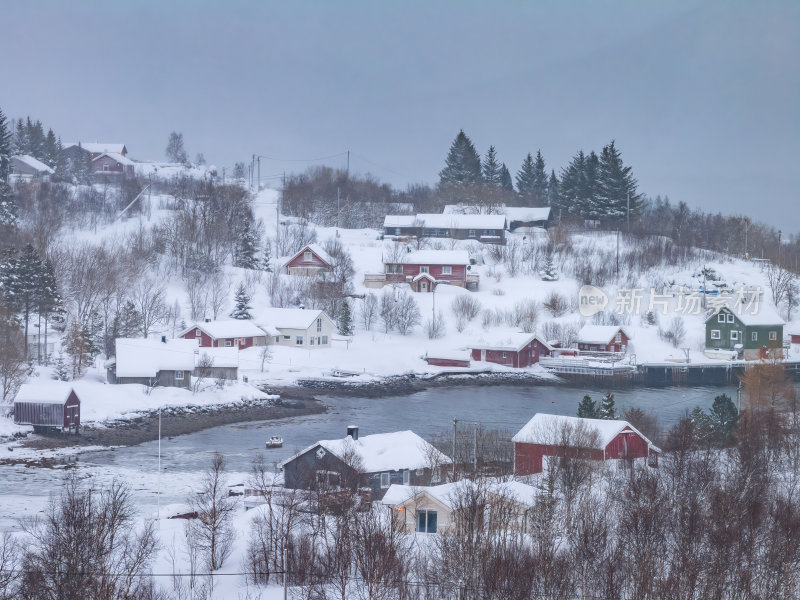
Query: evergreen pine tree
(549, 271)
(615, 184)
(266, 257)
(5, 148)
(242, 300)
(128, 323)
(553, 187)
(8, 207)
(539, 183)
(60, 369)
(703, 426)
(61, 172)
(246, 248)
(587, 408)
(573, 188)
(50, 150)
(607, 410)
(491, 169)
(36, 139)
(462, 165)
(724, 416)
(525, 182)
(593, 207)
(344, 320)
(21, 145)
(505, 179)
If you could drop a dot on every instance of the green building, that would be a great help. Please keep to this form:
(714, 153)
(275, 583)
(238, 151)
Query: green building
(757, 335)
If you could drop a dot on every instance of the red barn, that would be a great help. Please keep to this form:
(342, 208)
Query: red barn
(311, 260)
(52, 405)
(425, 268)
(516, 350)
(603, 338)
(226, 334)
(572, 437)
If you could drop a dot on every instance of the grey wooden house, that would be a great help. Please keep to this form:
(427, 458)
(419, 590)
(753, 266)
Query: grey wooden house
(165, 363)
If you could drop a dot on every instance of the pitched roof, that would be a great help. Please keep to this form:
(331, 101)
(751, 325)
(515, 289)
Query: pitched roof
(233, 328)
(33, 163)
(526, 213)
(510, 340)
(289, 318)
(316, 249)
(399, 220)
(123, 160)
(99, 147)
(448, 221)
(383, 451)
(436, 257)
(49, 392)
(765, 315)
(138, 357)
(546, 429)
(599, 334)
(218, 357)
(448, 493)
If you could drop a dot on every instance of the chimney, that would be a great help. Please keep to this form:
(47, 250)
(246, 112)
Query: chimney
(352, 431)
(163, 339)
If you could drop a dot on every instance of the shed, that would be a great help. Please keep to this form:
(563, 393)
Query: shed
(603, 338)
(47, 406)
(513, 349)
(564, 437)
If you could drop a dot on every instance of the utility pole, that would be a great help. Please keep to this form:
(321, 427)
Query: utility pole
(348, 164)
(285, 580)
(337, 207)
(629, 211)
(453, 458)
(258, 183)
(616, 271)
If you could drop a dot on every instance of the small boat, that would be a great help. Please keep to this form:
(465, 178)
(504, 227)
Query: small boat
(275, 441)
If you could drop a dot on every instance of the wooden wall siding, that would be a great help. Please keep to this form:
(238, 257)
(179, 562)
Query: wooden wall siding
(206, 341)
(459, 234)
(48, 414)
(529, 355)
(315, 263)
(163, 379)
(610, 347)
(746, 338)
(447, 362)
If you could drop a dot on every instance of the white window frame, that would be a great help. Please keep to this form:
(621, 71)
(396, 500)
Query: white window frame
(730, 318)
(324, 340)
(106, 168)
(436, 475)
(773, 335)
(198, 333)
(179, 375)
(319, 324)
(447, 270)
(406, 476)
(753, 336)
(298, 340)
(308, 256)
(227, 343)
(386, 480)
(734, 335)
(472, 233)
(425, 512)
(618, 338)
(287, 337)
(424, 269)
(721, 318)
(716, 334)
(505, 354)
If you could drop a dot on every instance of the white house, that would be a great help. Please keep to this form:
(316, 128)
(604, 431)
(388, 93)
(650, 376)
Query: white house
(297, 327)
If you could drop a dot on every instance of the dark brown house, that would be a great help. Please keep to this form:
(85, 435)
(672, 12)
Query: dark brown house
(53, 405)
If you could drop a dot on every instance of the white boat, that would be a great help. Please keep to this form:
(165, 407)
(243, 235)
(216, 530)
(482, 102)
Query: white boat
(275, 441)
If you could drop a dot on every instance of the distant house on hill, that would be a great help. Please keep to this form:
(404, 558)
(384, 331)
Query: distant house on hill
(165, 363)
(757, 335)
(375, 461)
(524, 216)
(115, 165)
(513, 349)
(603, 338)
(425, 269)
(297, 327)
(96, 148)
(226, 334)
(311, 260)
(27, 168)
(484, 228)
(554, 436)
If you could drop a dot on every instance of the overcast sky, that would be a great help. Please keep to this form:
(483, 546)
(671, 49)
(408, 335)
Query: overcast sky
(702, 97)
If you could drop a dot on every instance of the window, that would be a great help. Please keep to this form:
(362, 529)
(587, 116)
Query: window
(198, 333)
(311, 341)
(397, 231)
(299, 340)
(721, 318)
(715, 334)
(227, 343)
(406, 476)
(384, 480)
(471, 233)
(436, 475)
(324, 340)
(618, 337)
(321, 453)
(426, 521)
(306, 256)
(448, 270)
(505, 355)
(179, 375)
(420, 472)
(754, 336)
(105, 168)
(730, 318)
(773, 335)
(319, 325)
(287, 337)
(424, 269)
(734, 335)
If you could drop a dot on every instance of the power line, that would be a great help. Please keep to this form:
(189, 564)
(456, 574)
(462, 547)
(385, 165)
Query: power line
(304, 159)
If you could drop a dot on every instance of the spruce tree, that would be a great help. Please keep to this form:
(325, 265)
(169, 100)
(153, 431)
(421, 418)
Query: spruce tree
(21, 145)
(616, 184)
(549, 271)
(5, 148)
(587, 408)
(60, 369)
(703, 426)
(553, 187)
(8, 208)
(607, 410)
(491, 169)
(344, 320)
(462, 165)
(539, 183)
(266, 257)
(525, 182)
(593, 207)
(50, 150)
(724, 416)
(505, 179)
(572, 189)
(242, 301)
(246, 248)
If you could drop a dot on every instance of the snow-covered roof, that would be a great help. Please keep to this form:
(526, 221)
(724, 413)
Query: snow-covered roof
(233, 328)
(316, 249)
(764, 315)
(448, 493)
(219, 357)
(527, 213)
(98, 147)
(449, 354)
(138, 357)
(49, 392)
(33, 163)
(470, 209)
(599, 334)
(428, 276)
(436, 257)
(399, 220)
(448, 221)
(510, 340)
(289, 318)
(383, 451)
(123, 160)
(547, 429)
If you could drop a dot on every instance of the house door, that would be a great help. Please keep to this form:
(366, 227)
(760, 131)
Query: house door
(483, 355)
(423, 286)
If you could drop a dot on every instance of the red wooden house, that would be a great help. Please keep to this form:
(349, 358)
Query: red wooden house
(311, 260)
(572, 437)
(424, 269)
(51, 405)
(226, 334)
(603, 338)
(115, 165)
(516, 350)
